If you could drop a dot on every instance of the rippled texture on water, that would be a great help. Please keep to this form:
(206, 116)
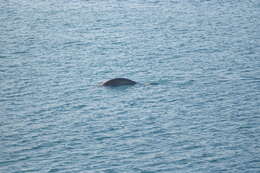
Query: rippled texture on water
(203, 116)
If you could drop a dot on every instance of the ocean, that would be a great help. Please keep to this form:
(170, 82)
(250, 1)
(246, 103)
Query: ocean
(202, 116)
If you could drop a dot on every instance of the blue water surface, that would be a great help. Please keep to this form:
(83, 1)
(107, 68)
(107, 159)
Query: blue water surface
(203, 115)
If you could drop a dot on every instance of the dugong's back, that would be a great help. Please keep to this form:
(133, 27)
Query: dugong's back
(119, 82)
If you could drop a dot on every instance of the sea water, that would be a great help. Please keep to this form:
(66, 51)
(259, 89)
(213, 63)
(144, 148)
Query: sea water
(203, 115)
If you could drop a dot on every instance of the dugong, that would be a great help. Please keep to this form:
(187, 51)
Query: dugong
(119, 82)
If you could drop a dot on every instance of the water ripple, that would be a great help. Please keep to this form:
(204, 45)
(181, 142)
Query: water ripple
(196, 108)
